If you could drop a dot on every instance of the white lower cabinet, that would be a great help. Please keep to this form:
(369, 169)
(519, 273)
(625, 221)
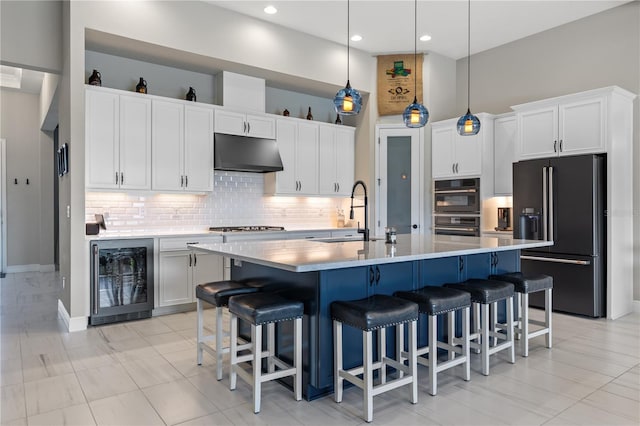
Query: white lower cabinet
(181, 270)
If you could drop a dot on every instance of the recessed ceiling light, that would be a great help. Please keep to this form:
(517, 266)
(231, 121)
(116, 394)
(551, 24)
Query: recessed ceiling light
(425, 37)
(356, 37)
(270, 10)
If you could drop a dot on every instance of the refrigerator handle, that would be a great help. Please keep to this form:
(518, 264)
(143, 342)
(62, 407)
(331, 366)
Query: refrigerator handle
(545, 235)
(96, 279)
(551, 212)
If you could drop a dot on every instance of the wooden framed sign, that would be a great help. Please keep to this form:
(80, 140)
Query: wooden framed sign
(396, 82)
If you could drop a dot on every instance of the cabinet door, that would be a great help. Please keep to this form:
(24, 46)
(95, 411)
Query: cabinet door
(538, 133)
(198, 148)
(327, 161)
(135, 142)
(392, 277)
(307, 158)
(345, 160)
(206, 268)
(286, 179)
(102, 139)
(442, 140)
(468, 154)
(503, 154)
(175, 278)
(261, 126)
(582, 127)
(168, 146)
(229, 122)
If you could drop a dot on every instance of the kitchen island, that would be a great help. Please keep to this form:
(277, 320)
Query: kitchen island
(320, 272)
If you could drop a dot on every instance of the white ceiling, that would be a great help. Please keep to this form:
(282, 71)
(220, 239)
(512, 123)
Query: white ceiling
(387, 25)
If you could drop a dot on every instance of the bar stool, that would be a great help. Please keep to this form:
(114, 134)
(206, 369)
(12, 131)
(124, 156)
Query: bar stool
(434, 301)
(259, 309)
(217, 294)
(375, 313)
(524, 285)
(486, 294)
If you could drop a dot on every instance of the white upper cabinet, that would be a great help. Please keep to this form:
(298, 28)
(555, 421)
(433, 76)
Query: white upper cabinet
(118, 140)
(568, 125)
(336, 159)
(454, 156)
(241, 124)
(298, 146)
(504, 153)
(182, 157)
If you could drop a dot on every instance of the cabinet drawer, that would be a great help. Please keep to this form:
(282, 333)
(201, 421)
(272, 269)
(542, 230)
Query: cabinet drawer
(175, 244)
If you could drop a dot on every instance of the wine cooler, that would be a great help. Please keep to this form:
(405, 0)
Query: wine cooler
(121, 280)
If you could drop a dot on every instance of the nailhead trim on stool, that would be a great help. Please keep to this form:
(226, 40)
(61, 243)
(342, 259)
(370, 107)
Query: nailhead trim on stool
(375, 313)
(524, 285)
(434, 301)
(485, 294)
(217, 294)
(265, 308)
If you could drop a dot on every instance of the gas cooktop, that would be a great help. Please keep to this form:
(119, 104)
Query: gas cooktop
(245, 228)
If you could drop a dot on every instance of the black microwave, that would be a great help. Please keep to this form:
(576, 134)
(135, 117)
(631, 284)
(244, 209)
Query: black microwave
(457, 196)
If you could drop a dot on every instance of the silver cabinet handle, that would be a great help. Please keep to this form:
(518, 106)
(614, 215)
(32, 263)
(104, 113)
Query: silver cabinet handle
(555, 144)
(248, 127)
(116, 178)
(446, 228)
(186, 181)
(456, 191)
(121, 178)
(181, 181)
(189, 260)
(453, 167)
(195, 260)
(556, 260)
(560, 145)
(300, 185)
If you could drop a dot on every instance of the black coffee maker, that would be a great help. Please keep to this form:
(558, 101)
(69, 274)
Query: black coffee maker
(504, 219)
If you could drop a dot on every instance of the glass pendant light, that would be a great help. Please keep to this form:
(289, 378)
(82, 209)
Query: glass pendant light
(468, 124)
(415, 115)
(348, 100)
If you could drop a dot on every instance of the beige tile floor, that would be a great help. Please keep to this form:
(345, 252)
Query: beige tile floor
(144, 372)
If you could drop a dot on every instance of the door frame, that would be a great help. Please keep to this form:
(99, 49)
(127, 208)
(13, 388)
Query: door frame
(378, 184)
(3, 207)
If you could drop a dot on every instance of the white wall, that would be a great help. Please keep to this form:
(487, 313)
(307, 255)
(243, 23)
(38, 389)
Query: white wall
(31, 34)
(597, 51)
(26, 232)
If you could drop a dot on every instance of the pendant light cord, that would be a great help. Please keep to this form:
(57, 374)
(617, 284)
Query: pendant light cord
(348, 36)
(415, 51)
(469, 56)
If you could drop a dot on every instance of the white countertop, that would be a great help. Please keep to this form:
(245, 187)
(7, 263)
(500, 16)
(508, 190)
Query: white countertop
(314, 255)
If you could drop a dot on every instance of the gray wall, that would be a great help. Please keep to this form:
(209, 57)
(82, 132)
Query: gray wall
(597, 51)
(31, 34)
(29, 206)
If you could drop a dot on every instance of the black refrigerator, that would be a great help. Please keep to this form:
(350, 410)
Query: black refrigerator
(563, 199)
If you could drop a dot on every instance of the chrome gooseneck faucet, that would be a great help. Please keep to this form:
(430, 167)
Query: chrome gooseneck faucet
(364, 231)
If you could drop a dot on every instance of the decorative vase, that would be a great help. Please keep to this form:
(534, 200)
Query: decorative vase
(142, 86)
(285, 112)
(338, 120)
(309, 116)
(191, 95)
(95, 79)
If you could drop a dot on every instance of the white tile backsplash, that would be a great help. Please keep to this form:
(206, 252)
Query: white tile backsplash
(237, 199)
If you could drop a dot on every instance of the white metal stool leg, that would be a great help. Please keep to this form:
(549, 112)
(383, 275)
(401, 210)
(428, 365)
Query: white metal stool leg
(432, 330)
(382, 352)
(256, 350)
(233, 356)
(484, 337)
(524, 324)
(413, 359)
(512, 349)
(465, 343)
(297, 358)
(547, 316)
(338, 380)
(199, 330)
(451, 325)
(367, 374)
(220, 350)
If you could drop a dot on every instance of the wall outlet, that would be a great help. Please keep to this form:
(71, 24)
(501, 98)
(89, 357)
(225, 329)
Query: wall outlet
(64, 282)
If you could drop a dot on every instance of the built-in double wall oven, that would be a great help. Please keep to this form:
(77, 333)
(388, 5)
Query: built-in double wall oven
(457, 207)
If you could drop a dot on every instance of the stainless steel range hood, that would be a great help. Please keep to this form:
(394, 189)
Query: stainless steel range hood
(245, 154)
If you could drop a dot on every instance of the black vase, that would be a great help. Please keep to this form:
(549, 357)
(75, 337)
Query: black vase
(191, 95)
(338, 120)
(142, 86)
(309, 116)
(95, 79)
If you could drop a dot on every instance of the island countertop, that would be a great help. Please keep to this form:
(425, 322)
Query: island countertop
(318, 255)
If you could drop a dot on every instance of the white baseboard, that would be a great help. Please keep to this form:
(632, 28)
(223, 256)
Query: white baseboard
(73, 324)
(30, 268)
(636, 306)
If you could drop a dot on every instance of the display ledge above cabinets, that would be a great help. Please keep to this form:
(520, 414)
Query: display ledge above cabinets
(139, 142)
